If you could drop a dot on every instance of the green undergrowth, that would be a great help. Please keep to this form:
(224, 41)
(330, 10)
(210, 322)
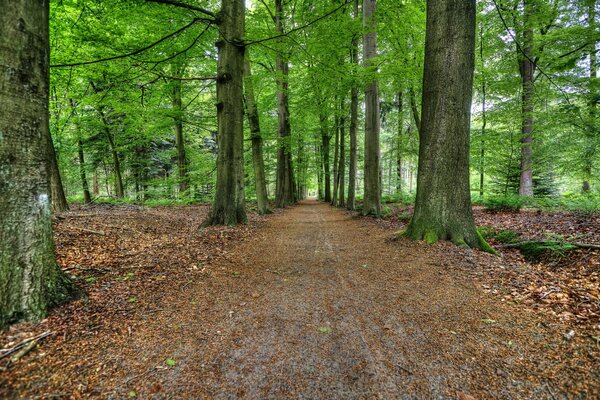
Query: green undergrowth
(586, 204)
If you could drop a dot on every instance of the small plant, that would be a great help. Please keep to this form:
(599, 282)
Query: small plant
(510, 203)
(507, 236)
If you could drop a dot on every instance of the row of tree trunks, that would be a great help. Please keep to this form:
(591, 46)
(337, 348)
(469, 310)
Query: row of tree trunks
(591, 136)
(257, 142)
(372, 183)
(177, 71)
(228, 206)
(30, 279)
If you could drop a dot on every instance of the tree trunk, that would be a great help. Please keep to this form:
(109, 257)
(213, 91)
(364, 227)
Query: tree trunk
(30, 279)
(527, 69)
(443, 203)
(59, 200)
(229, 207)
(95, 184)
(325, 138)
(415, 110)
(336, 154)
(319, 162)
(591, 141)
(372, 184)
(399, 146)
(179, 139)
(257, 143)
(342, 166)
(285, 181)
(351, 203)
(115, 156)
(87, 198)
(483, 114)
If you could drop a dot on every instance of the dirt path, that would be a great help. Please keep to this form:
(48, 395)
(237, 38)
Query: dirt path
(321, 305)
(316, 304)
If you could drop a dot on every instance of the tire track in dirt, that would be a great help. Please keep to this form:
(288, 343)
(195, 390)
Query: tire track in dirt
(321, 305)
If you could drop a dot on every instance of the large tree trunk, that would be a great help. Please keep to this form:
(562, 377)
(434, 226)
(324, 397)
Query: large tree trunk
(257, 143)
(179, 139)
(591, 140)
(372, 183)
(87, 198)
(285, 179)
(325, 139)
(527, 69)
(30, 279)
(229, 207)
(59, 200)
(443, 203)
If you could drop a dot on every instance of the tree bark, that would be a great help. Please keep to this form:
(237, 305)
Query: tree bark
(59, 200)
(87, 198)
(119, 192)
(526, 69)
(399, 144)
(229, 207)
(336, 154)
(443, 202)
(257, 143)
(178, 119)
(591, 141)
(285, 179)
(342, 166)
(372, 183)
(30, 279)
(351, 203)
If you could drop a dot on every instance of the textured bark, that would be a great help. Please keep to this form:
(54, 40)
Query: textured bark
(30, 279)
(178, 124)
(87, 198)
(285, 177)
(257, 143)
(229, 207)
(59, 200)
(483, 114)
(372, 182)
(443, 202)
(414, 109)
(526, 69)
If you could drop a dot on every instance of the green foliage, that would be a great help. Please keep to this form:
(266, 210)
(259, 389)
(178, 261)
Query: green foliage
(534, 250)
(512, 203)
(169, 362)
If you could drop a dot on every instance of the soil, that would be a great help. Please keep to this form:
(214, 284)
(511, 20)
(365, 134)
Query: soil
(312, 302)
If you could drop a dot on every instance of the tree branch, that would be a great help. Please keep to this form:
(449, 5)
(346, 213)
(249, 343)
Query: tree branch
(133, 53)
(186, 6)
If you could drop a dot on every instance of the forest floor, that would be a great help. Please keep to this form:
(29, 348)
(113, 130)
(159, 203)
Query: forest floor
(311, 302)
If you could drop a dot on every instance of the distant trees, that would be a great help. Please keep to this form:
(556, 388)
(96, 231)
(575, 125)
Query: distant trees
(30, 279)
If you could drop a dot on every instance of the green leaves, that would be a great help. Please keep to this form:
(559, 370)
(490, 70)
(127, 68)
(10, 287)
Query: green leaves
(169, 362)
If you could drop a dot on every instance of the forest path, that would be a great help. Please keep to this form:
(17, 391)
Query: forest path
(321, 304)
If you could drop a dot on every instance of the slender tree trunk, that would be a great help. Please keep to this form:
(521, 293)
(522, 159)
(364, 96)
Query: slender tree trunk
(229, 207)
(95, 184)
(257, 143)
(285, 181)
(319, 162)
(591, 141)
(336, 154)
(59, 200)
(399, 144)
(351, 203)
(30, 279)
(415, 110)
(527, 69)
(87, 198)
(483, 114)
(342, 166)
(325, 138)
(119, 192)
(443, 203)
(179, 138)
(372, 183)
